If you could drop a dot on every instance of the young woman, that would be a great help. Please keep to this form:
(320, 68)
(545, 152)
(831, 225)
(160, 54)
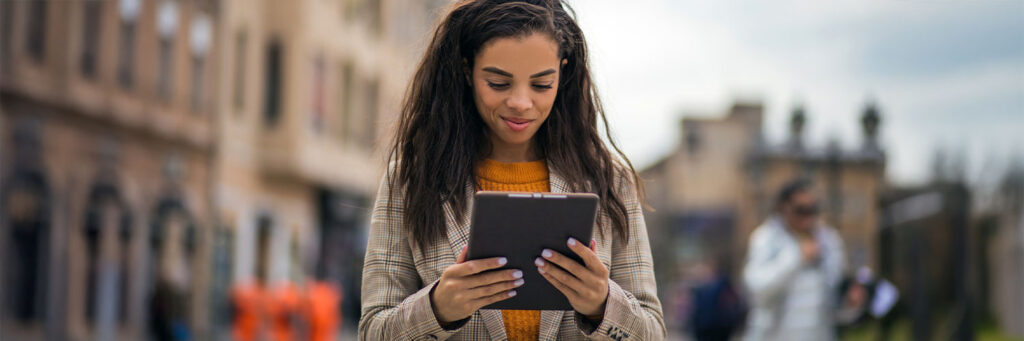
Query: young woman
(503, 100)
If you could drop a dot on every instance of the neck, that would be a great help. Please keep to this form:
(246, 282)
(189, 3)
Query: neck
(508, 153)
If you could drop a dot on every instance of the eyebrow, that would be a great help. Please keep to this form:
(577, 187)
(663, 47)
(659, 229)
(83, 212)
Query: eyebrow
(501, 72)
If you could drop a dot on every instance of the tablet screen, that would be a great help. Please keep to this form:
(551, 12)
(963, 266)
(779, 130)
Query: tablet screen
(518, 226)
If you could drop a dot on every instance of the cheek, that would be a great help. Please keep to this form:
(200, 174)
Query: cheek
(545, 102)
(487, 100)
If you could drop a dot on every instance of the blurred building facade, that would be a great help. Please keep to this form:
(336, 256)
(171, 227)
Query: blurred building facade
(107, 147)
(720, 183)
(309, 90)
(143, 141)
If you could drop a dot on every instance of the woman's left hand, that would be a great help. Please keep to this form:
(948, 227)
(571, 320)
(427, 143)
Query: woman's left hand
(585, 285)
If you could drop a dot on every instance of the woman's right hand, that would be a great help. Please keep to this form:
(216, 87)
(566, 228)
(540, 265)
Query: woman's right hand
(466, 287)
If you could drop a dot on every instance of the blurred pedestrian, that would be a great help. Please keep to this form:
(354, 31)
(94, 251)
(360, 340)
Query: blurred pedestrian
(323, 300)
(864, 298)
(168, 306)
(718, 309)
(794, 265)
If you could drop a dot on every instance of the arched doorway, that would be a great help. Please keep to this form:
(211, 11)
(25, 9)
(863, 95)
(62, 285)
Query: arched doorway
(26, 205)
(107, 237)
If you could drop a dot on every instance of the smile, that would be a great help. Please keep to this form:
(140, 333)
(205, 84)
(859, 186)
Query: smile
(517, 124)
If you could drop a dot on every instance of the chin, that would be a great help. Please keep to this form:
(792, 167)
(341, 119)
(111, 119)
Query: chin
(516, 140)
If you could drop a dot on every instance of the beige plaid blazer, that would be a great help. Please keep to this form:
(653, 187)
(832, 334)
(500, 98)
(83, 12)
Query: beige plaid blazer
(397, 279)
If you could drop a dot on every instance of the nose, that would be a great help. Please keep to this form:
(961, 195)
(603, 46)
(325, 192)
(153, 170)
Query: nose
(519, 101)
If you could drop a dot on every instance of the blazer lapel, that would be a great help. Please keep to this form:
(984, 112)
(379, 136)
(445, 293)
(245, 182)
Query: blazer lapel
(458, 237)
(557, 183)
(458, 230)
(550, 320)
(495, 324)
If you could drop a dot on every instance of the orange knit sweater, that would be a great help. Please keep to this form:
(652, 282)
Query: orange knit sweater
(516, 177)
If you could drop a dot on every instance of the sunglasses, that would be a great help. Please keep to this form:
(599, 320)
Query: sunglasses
(806, 210)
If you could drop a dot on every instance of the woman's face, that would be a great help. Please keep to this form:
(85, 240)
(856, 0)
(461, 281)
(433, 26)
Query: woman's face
(515, 81)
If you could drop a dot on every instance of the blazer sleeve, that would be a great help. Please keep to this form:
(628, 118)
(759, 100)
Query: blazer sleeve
(395, 303)
(633, 311)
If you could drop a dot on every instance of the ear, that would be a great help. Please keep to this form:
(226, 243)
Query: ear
(565, 61)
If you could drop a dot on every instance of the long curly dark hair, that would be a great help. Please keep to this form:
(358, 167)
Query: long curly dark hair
(440, 137)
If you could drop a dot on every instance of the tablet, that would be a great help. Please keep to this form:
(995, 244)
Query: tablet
(518, 226)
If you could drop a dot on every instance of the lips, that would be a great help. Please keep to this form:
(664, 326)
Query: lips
(517, 124)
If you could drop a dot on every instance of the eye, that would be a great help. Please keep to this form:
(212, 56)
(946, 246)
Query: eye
(543, 86)
(497, 86)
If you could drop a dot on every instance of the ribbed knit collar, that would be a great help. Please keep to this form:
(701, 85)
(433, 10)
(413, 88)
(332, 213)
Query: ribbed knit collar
(514, 172)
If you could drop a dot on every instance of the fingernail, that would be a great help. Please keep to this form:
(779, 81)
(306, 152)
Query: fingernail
(539, 262)
(546, 253)
(511, 293)
(517, 274)
(540, 270)
(572, 241)
(519, 282)
(502, 261)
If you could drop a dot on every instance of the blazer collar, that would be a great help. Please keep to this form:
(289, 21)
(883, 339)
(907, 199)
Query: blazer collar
(458, 237)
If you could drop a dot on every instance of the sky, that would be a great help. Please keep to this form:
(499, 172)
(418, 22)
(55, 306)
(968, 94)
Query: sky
(946, 74)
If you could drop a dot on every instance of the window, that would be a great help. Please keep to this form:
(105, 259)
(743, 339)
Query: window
(197, 82)
(36, 39)
(240, 42)
(6, 17)
(129, 11)
(272, 83)
(91, 11)
(693, 137)
(165, 78)
(167, 28)
(264, 232)
(127, 54)
(345, 106)
(370, 131)
(317, 95)
(200, 38)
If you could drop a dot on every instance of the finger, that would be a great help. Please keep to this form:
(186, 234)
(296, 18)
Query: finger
(562, 276)
(570, 265)
(589, 256)
(501, 296)
(476, 266)
(494, 288)
(491, 277)
(462, 255)
(564, 289)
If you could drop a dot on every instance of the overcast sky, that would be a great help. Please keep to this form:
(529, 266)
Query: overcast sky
(945, 73)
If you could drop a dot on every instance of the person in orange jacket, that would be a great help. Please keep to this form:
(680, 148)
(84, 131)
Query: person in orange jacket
(250, 311)
(322, 302)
